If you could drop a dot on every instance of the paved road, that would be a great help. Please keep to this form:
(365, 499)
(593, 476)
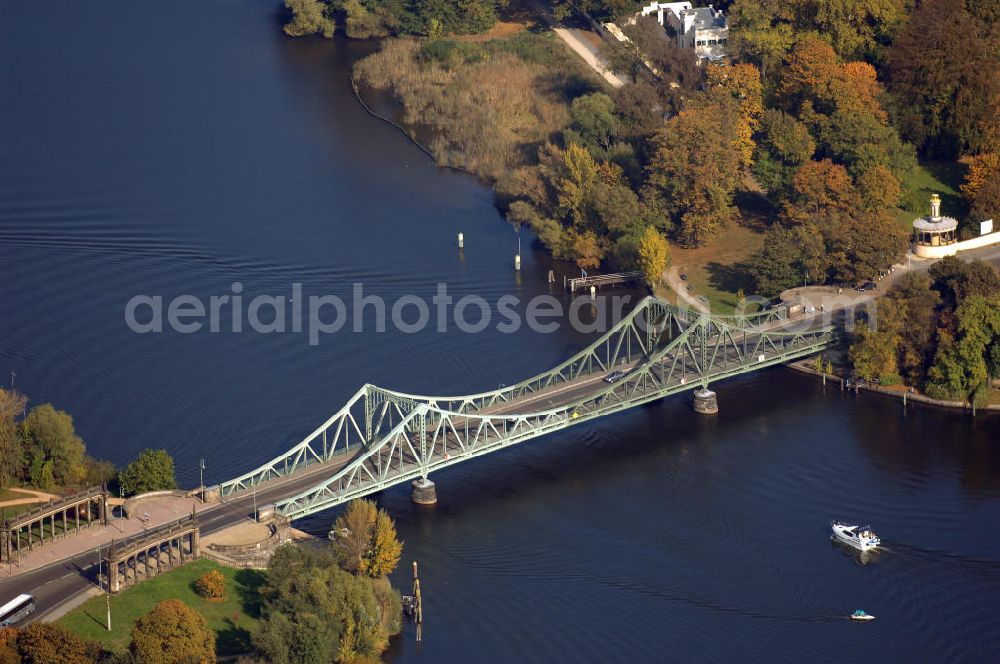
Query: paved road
(62, 581)
(586, 50)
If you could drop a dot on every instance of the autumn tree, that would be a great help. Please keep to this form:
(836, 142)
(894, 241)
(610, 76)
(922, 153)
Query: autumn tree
(763, 30)
(982, 186)
(840, 103)
(48, 643)
(945, 87)
(309, 17)
(654, 256)
(365, 540)
(694, 169)
(313, 611)
(172, 633)
(822, 193)
(211, 585)
(8, 646)
(741, 83)
(584, 208)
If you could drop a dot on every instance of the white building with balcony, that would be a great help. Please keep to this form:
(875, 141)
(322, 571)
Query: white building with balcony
(703, 29)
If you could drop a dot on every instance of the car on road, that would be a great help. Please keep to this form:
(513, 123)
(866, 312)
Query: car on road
(867, 286)
(615, 376)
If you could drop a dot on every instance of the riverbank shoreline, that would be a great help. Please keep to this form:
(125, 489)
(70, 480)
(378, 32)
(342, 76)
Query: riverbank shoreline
(802, 367)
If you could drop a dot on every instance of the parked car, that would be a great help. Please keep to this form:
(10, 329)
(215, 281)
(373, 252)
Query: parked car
(614, 376)
(684, 276)
(867, 286)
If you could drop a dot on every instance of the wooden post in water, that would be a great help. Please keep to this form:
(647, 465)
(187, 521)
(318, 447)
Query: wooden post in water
(461, 241)
(418, 610)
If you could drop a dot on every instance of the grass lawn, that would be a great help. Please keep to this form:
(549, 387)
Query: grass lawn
(719, 269)
(935, 177)
(232, 619)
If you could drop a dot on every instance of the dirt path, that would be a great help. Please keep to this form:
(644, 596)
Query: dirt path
(680, 289)
(31, 497)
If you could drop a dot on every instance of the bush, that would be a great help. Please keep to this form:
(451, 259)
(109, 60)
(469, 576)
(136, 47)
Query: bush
(211, 586)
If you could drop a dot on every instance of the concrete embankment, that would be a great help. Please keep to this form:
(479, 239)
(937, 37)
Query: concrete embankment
(902, 394)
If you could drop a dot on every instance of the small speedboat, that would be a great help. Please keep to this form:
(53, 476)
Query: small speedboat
(861, 616)
(862, 538)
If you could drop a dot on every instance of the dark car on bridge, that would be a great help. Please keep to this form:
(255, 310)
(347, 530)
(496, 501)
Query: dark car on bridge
(615, 376)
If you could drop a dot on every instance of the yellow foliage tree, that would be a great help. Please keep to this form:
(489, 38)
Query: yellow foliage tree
(172, 632)
(365, 540)
(981, 168)
(211, 586)
(741, 82)
(654, 255)
(383, 556)
(580, 174)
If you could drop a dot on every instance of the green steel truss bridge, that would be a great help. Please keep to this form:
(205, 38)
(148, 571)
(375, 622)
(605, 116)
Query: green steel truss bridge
(381, 438)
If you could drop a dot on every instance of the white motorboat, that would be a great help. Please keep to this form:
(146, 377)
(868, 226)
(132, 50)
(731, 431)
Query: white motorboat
(861, 616)
(862, 538)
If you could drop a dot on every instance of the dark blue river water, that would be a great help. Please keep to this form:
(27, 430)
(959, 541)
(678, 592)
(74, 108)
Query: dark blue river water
(176, 148)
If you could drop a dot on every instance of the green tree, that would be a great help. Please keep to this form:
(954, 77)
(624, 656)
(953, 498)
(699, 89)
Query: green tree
(364, 19)
(654, 255)
(47, 643)
(309, 17)
(152, 470)
(944, 87)
(593, 123)
(956, 280)
(11, 454)
(53, 447)
(789, 257)
(962, 366)
(783, 145)
(313, 611)
(172, 633)
(873, 356)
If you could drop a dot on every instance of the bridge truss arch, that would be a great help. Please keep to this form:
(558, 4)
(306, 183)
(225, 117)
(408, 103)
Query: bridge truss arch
(393, 437)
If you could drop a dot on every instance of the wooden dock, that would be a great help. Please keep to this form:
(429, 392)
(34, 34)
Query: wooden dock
(599, 280)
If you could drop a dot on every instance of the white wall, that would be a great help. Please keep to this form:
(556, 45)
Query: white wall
(952, 249)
